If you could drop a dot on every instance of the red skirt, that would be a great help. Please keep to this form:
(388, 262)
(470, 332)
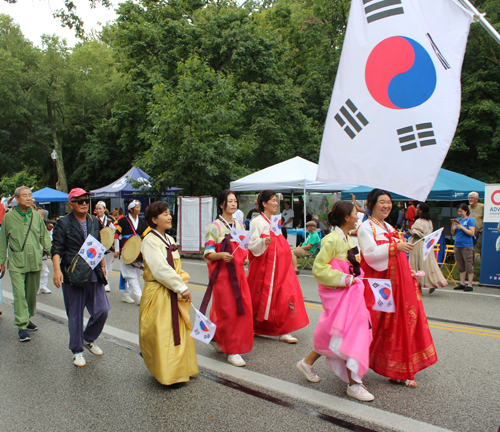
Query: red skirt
(402, 343)
(278, 305)
(234, 333)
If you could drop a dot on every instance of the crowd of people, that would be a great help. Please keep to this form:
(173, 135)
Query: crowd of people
(268, 302)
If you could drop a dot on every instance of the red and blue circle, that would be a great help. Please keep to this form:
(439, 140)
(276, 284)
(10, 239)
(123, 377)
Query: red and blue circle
(400, 73)
(385, 293)
(91, 253)
(203, 327)
(430, 244)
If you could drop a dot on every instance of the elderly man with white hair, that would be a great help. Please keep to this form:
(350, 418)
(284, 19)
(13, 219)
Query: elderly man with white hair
(476, 212)
(23, 231)
(126, 228)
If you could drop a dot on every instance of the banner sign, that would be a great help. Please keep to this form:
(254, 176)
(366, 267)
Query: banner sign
(490, 257)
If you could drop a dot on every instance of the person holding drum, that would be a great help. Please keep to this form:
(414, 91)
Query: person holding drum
(131, 228)
(107, 236)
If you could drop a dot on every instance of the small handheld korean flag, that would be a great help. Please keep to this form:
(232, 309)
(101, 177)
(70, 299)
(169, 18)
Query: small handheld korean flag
(92, 251)
(276, 224)
(430, 241)
(382, 290)
(203, 329)
(242, 237)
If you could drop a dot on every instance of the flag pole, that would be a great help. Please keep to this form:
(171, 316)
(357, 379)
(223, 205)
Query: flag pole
(478, 16)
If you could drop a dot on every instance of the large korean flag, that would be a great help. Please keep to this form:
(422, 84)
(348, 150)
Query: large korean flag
(396, 99)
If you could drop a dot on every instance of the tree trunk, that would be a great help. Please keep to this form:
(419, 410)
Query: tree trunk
(62, 184)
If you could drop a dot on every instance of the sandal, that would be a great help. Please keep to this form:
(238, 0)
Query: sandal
(407, 383)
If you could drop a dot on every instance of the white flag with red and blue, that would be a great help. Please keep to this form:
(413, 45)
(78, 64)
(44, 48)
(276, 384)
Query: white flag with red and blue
(382, 291)
(242, 237)
(397, 93)
(92, 251)
(276, 224)
(203, 328)
(430, 241)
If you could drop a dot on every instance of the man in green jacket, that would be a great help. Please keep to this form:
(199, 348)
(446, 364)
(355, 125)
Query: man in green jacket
(23, 231)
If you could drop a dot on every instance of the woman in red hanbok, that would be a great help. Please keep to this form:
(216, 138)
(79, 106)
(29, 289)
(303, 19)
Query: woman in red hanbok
(278, 305)
(231, 308)
(402, 343)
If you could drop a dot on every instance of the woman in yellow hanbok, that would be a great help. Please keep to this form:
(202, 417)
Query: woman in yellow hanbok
(164, 324)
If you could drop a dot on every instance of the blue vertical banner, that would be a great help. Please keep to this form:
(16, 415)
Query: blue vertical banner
(490, 257)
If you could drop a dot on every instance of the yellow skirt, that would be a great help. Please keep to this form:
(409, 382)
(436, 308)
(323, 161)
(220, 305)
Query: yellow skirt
(168, 363)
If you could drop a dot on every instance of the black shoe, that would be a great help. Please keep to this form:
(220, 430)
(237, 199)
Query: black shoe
(468, 288)
(24, 336)
(32, 327)
(459, 287)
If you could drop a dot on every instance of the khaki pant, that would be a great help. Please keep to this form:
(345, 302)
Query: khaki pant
(24, 289)
(301, 253)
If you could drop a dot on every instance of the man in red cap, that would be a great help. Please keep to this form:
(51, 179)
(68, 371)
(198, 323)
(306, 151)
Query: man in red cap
(69, 235)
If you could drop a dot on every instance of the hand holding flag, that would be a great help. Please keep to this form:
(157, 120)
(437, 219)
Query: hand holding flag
(242, 237)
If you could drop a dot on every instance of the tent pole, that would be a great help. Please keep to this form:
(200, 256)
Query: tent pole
(305, 210)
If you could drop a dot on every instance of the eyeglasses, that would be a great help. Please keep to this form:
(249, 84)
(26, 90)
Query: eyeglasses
(82, 201)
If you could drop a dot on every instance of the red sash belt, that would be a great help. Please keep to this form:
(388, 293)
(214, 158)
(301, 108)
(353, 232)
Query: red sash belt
(231, 268)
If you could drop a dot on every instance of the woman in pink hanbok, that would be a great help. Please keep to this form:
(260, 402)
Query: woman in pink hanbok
(343, 334)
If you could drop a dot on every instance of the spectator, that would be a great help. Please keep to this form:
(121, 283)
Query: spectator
(321, 227)
(43, 212)
(411, 214)
(476, 211)
(308, 247)
(464, 253)
(359, 209)
(288, 216)
(2, 211)
(401, 216)
(255, 211)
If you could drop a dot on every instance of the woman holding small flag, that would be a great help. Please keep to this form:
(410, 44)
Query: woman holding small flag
(343, 333)
(402, 343)
(423, 227)
(231, 308)
(164, 324)
(277, 299)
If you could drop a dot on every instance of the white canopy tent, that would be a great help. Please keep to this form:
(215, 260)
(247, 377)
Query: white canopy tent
(294, 175)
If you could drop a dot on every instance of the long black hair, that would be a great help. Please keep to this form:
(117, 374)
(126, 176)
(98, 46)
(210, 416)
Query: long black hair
(426, 214)
(339, 211)
(372, 198)
(222, 200)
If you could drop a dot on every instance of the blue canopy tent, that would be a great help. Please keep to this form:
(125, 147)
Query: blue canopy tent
(122, 189)
(449, 186)
(47, 194)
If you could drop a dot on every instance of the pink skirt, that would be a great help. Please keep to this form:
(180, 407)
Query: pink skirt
(343, 333)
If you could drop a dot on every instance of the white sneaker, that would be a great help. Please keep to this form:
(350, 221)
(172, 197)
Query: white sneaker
(128, 299)
(216, 346)
(44, 291)
(358, 391)
(308, 371)
(107, 288)
(79, 360)
(288, 338)
(93, 348)
(236, 360)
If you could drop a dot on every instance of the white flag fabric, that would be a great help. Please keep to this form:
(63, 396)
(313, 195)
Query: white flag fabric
(430, 241)
(382, 290)
(276, 224)
(92, 251)
(242, 237)
(396, 98)
(203, 329)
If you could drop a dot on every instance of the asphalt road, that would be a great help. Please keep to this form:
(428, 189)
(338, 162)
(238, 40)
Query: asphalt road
(41, 390)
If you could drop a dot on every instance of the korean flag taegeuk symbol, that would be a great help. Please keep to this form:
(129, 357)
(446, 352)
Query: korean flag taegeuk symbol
(382, 291)
(430, 241)
(92, 251)
(276, 224)
(242, 237)
(203, 328)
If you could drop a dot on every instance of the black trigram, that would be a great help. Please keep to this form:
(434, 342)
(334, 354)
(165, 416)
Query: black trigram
(345, 116)
(380, 303)
(375, 285)
(382, 9)
(410, 137)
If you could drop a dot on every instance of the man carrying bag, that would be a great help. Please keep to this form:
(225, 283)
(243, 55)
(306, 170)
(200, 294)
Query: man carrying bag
(81, 288)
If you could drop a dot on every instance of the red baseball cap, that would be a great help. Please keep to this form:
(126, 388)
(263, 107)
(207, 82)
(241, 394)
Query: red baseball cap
(76, 192)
